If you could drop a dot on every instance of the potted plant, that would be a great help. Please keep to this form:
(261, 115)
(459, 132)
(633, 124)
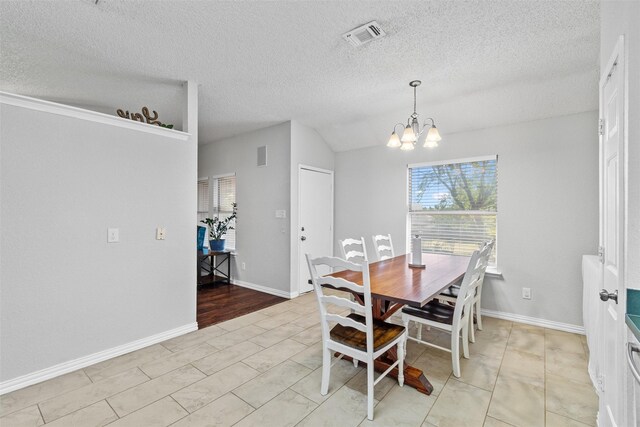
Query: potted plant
(217, 229)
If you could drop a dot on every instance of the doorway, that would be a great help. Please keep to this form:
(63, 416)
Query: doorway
(315, 219)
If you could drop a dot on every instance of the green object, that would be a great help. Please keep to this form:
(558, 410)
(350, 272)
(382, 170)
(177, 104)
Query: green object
(218, 227)
(632, 319)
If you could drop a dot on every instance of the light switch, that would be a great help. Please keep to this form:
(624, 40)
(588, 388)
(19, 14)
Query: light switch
(161, 233)
(281, 213)
(113, 235)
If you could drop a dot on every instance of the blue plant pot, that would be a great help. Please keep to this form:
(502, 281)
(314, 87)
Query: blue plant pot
(216, 245)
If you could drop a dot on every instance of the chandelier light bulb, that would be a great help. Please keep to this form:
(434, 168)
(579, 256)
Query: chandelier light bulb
(394, 141)
(430, 144)
(408, 135)
(407, 146)
(434, 135)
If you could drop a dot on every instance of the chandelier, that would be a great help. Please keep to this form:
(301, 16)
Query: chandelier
(412, 131)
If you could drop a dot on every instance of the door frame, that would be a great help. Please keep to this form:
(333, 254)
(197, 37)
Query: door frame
(295, 288)
(616, 60)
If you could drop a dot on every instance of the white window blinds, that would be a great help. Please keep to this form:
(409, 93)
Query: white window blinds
(454, 206)
(203, 199)
(224, 196)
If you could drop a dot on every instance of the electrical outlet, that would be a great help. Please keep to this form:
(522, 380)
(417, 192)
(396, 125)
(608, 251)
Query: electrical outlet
(244, 266)
(113, 235)
(161, 233)
(526, 293)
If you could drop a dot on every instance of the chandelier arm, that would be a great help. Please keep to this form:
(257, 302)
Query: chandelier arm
(424, 126)
(396, 125)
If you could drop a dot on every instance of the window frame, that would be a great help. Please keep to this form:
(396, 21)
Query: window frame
(492, 269)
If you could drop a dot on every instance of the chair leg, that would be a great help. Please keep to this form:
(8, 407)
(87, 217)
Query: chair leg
(405, 322)
(472, 335)
(401, 355)
(370, 370)
(326, 371)
(465, 340)
(478, 317)
(455, 352)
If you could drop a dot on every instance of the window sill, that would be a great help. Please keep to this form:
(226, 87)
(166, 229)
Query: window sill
(494, 272)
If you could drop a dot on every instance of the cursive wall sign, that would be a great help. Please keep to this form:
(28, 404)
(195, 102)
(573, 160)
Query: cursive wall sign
(137, 117)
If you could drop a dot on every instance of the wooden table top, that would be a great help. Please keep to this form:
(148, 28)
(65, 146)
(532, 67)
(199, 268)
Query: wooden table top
(393, 279)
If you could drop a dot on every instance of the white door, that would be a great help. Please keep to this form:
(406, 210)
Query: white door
(612, 239)
(315, 231)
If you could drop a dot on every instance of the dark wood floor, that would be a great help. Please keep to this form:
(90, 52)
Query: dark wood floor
(220, 302)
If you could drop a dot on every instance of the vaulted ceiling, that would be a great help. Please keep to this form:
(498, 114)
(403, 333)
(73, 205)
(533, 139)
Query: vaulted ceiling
(258, 63)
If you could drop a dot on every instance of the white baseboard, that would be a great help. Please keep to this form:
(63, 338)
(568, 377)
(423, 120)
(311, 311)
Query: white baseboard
(543, 323)
(82, 362)
(260, 288)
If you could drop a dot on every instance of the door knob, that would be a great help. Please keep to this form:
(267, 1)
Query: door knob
(606, 296)
(303, 238)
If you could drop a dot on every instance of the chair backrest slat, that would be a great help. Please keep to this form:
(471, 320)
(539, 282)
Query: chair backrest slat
(342, 302)
(354, 250)
(319, 282)
(383, 246)
(344, 321)
(340, 283)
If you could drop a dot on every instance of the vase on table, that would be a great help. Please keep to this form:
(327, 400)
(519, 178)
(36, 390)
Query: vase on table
(216, 245)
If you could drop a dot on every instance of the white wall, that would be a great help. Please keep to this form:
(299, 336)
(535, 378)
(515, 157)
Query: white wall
(622, 18)
(308, 148)
(547, 203)
(262, 240)
(66, 292)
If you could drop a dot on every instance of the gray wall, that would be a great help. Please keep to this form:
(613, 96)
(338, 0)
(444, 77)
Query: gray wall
(262, 240)
(547, 202)
(66, 293)
(622, 18)
(308, 148)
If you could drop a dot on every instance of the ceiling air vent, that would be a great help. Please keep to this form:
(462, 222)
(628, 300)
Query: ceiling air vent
(364, 34)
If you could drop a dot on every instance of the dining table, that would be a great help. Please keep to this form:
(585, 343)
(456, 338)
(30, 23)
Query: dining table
(395, 284)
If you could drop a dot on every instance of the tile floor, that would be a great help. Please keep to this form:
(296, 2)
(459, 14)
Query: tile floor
(264, 369)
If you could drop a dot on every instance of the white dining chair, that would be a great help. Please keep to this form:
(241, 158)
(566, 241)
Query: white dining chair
(383, 246)
(353, 250)
(358, 335)
(452, 319)
(477, 298)
(451, 294)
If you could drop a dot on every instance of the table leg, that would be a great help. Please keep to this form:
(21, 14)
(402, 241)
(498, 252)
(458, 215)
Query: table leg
(413, 377)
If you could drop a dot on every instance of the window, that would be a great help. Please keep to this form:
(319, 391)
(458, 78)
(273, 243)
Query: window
(453, 206)
(224, 198)
(203, 199)
(222, 192)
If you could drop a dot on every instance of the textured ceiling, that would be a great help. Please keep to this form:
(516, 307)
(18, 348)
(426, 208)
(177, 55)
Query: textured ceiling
(258, 63)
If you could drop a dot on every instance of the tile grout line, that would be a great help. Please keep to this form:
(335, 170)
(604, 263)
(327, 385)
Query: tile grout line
(157, 400)
(498, 374)
(114, 411)
(185, 409)
(93, 403)
(41, 415)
